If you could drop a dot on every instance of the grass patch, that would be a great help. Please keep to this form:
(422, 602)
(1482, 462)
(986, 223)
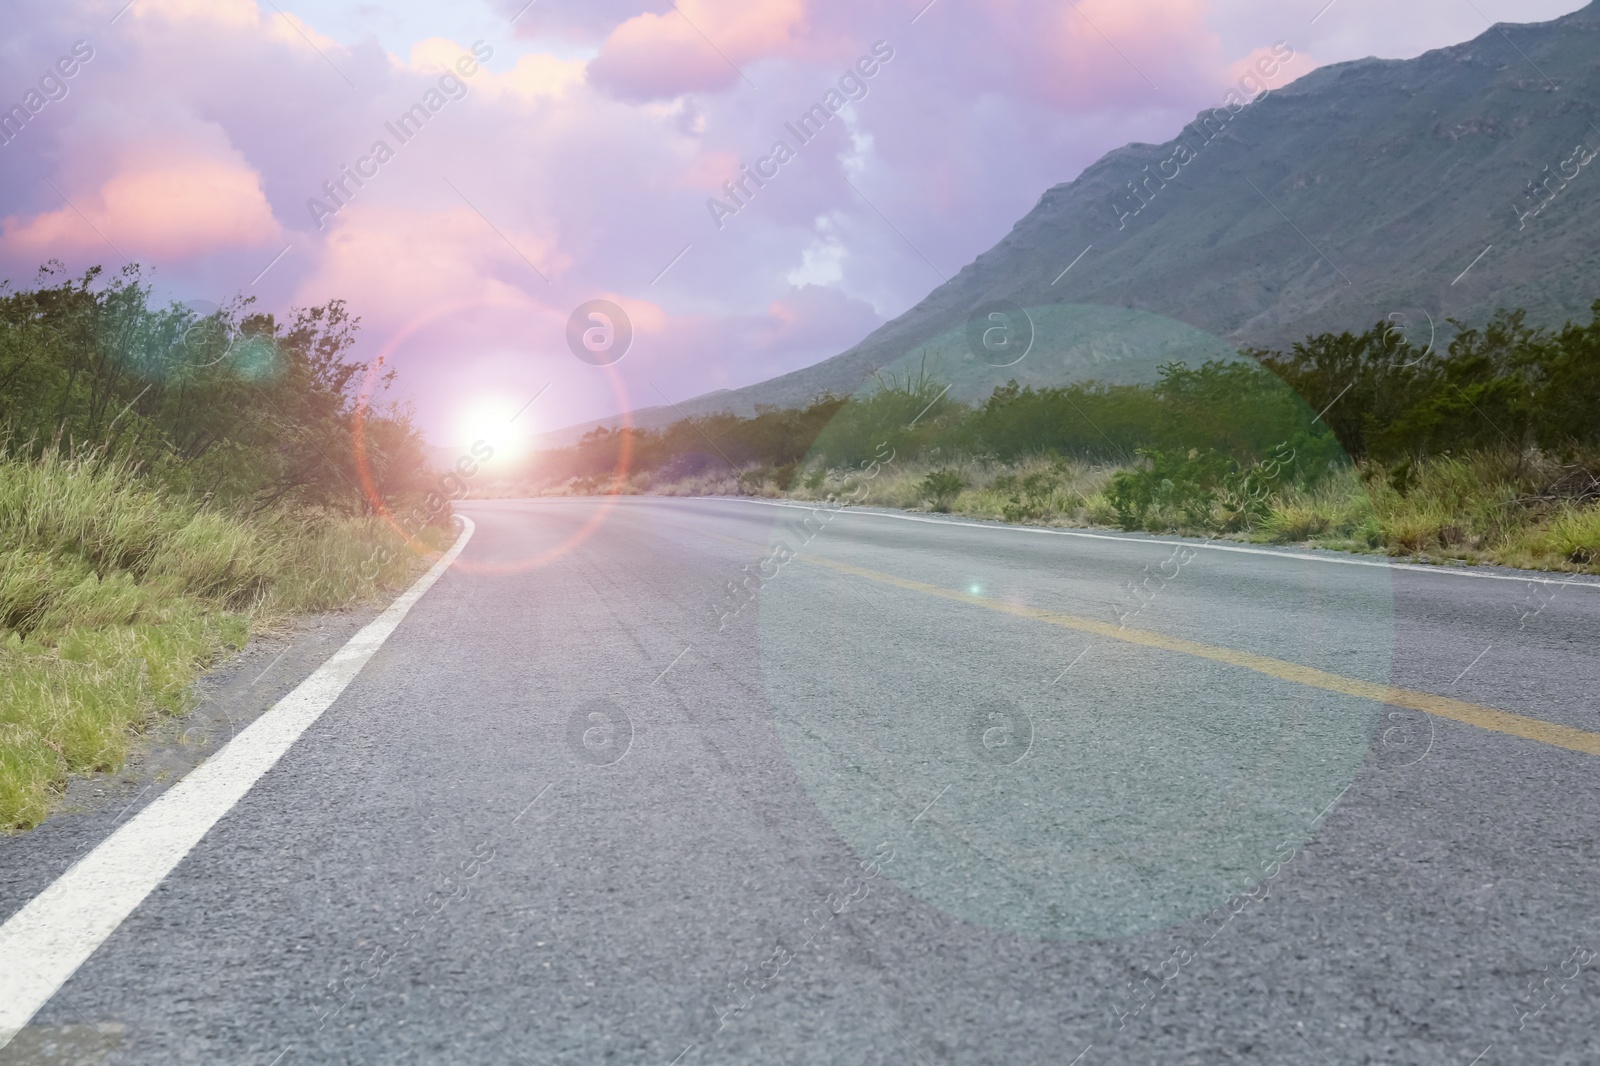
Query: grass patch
(1526, 510)
(1498, 507)
(1575, 535)
(115, 595)
(1336, 512)
(1513, 507)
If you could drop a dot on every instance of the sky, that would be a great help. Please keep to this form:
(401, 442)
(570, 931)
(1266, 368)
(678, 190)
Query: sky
(555, 234)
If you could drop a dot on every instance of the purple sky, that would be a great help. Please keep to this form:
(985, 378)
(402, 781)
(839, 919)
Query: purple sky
(577, 162)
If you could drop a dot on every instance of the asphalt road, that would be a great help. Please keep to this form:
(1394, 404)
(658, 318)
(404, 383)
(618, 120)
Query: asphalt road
(928, 792)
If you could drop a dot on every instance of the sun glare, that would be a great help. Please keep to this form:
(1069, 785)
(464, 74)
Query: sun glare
(499, 424)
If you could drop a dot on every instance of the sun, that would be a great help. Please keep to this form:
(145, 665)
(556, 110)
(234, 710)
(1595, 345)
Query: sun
(508, 431)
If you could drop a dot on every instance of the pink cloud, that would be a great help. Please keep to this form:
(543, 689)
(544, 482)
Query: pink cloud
(1267, 67)
(450, 253)
(167, 209)
(709, 170)
(1090, 53)
(592, 141)
(235, 15)
(654, 56)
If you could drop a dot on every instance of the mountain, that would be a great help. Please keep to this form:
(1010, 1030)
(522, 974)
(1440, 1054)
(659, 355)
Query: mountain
(1361, 190)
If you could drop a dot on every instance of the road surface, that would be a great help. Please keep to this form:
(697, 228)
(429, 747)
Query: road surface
(669, 781)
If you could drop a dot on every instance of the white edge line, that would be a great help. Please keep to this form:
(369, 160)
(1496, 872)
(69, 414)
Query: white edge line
(46, 941)
(1237, 548)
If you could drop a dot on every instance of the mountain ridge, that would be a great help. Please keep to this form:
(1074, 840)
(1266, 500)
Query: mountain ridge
(1362, 189)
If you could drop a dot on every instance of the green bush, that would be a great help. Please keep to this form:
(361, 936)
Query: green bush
(1031, 498)
(1172, 491)
(1507, 385)
(234, 406)
(942, 487)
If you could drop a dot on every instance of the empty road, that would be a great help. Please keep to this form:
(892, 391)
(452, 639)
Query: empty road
(657, 781)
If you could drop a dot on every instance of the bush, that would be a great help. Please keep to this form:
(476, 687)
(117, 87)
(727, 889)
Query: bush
(942, 487)
(911, 414)
(1099, 510)
(1174, 491)
(781, 477)
(235, 406)
(1504, 385)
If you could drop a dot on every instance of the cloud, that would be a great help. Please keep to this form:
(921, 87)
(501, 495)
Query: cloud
(694, 47)
(170, 208)
(535, 76)
(1264, 66)
(708, 170)
(221, 14)
(705, 352)
(591, 142)
(392, 262)
(435, 55)
(235, 15)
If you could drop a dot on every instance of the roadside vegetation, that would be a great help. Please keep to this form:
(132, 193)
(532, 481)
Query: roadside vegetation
(168, 482)
(1486, 451)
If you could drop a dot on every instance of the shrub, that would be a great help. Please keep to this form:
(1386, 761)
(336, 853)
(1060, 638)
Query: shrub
(1099, 510)
(1174, 489)
(942, 487)
(235, 406)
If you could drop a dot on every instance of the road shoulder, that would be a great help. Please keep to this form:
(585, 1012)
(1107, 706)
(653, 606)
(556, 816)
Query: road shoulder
(229, 697)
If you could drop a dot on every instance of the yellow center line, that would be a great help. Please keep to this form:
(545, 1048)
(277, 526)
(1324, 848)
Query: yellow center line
(1475, 714)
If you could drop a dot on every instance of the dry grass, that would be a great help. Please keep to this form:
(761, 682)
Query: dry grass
(1575, 535)
(1337, 511)
(1046, 491)
(1486, 507)
(114, 596)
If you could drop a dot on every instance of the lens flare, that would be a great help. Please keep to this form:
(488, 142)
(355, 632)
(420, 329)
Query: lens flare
(499, 423)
